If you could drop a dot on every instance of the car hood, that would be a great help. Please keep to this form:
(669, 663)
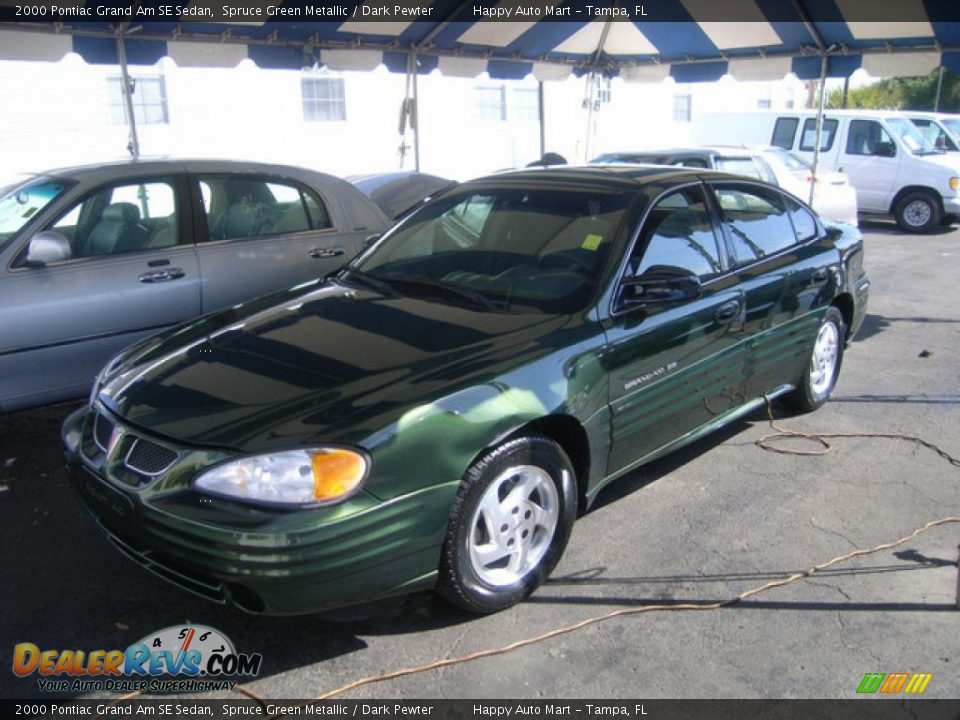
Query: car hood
(327, 364)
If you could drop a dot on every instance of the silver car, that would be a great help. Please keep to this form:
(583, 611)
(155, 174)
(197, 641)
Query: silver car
(94, 258)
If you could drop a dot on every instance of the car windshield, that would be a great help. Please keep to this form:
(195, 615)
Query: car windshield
(952, 124)
(20, 203)
(911, 137)
(506, 248)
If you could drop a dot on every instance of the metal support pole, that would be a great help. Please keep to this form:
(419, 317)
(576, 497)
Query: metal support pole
(134, 146)
(936, 101)
(415, 114)
(816, 147)
(541, 117)
(958, 577)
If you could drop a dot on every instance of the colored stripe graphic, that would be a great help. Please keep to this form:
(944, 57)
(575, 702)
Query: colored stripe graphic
(892, 683)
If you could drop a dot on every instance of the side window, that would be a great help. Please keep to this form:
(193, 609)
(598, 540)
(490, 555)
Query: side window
(867, 137)
(804, 224)
(691, 162)
(122, 218)
(809, 137)
(757, 221)
(678, 233)
(240, 207)
(784, 130)
(766, 172)
(738, 166)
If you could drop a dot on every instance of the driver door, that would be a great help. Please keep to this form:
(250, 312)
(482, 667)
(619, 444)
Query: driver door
(674, 366)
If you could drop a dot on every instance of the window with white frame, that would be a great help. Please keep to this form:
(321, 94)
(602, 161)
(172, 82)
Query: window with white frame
(491, 103)
(682, 105)
(149, 98)
(324, 99)
(525, 105)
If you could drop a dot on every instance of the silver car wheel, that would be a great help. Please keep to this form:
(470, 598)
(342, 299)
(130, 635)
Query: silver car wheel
(513, 525)
(917, 213)
(823, 364)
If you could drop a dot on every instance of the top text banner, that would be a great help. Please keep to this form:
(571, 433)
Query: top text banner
(260, 12)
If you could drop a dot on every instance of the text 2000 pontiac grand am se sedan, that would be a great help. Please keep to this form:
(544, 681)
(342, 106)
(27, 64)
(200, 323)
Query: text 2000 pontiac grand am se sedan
(434, 414)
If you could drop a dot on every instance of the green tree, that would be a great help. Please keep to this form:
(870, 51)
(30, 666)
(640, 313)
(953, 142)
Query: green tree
(914, 93)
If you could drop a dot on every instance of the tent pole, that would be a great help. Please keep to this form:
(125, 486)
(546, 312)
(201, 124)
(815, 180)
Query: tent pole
(415, 116)
(541, 117)
(936, 101)
(816, 147)
(134, 146)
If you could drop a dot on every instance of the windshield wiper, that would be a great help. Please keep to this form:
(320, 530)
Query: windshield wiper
(474, 296)
(369, 280)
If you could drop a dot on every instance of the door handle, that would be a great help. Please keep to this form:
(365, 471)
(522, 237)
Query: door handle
(157, 276)
(728, 312)
(820, 276)
(327, 252)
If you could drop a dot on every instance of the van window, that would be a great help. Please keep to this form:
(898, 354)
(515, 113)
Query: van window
(810, 134)
(784, 131)
(867, 137)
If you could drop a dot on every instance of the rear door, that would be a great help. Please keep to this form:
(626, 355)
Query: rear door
(674, 367)
(132, 271)
(258, 234)
(784, 273)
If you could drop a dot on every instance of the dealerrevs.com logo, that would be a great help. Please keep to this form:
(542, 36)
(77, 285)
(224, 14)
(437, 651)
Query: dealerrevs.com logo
(196, 656)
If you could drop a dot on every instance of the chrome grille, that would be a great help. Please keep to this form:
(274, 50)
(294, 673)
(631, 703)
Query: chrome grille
(102, 430)
(148, 458)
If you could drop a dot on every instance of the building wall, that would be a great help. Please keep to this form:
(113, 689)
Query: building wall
(57, 114)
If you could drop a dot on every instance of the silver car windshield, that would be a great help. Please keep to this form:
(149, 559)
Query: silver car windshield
(953, 125)
(911, 137)
(20, 203)
(530, 249)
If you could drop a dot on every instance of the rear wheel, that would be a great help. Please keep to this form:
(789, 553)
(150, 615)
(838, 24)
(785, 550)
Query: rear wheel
(918, 212)
(508, 525)
(817, 382)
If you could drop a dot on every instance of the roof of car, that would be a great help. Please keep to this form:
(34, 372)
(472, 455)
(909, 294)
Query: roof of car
(128, 167)
(625, 176)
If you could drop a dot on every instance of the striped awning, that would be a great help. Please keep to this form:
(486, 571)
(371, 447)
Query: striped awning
(689, 40)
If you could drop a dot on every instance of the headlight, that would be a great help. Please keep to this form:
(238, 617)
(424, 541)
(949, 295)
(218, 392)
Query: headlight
(295, 477)
(954, 182)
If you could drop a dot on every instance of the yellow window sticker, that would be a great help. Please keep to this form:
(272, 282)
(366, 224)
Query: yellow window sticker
(592, 242)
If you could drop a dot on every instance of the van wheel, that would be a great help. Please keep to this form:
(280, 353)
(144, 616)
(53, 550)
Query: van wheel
(821, 374)
(918, 212)
(509, 524)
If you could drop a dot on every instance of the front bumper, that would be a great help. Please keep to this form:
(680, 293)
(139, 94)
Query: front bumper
(275, 562)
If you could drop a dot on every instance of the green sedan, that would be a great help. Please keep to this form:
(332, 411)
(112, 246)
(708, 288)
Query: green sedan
(436, 414)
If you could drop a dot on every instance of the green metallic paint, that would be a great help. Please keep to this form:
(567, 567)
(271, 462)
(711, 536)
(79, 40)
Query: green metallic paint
(423, 388)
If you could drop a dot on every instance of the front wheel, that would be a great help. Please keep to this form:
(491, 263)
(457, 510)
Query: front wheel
(508, 525)
(817, 382)
(918, 212)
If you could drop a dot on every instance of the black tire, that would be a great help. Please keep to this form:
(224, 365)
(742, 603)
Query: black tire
(806, 397)
(459, 580)
(918, 212)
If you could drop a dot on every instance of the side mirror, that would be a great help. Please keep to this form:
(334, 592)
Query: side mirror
(885, 149)
(47, 247)
(660, 285)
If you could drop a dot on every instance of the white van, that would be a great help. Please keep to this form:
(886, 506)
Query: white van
(894, 169)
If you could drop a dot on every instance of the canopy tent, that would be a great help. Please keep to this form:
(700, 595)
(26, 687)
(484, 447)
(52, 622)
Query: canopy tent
(688, 40)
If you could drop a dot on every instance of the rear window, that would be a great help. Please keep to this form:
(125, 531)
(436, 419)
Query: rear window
(809, 138)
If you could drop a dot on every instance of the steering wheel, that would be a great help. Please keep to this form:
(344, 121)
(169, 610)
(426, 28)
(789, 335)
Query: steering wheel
(567, 260)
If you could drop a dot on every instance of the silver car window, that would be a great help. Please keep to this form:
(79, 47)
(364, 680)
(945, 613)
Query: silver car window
(19, 204)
